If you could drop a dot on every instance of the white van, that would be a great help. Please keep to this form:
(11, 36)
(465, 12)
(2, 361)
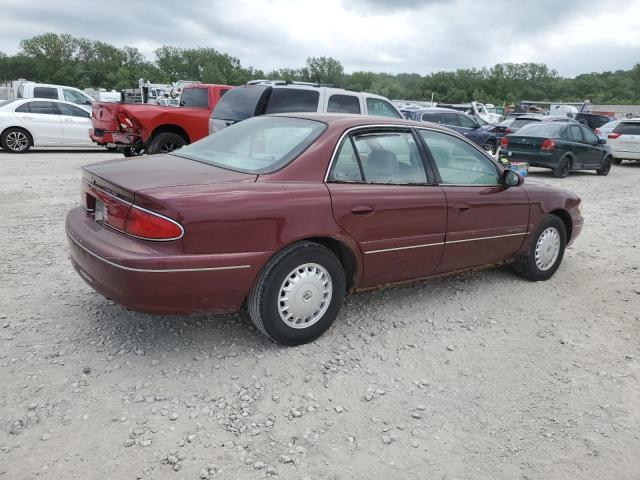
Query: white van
(54, 92)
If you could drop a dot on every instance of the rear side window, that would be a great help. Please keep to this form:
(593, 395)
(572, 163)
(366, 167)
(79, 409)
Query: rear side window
(72, 111)
(628, 128)
(343, 104)
(573, 133)
(45, 92)
(284, 100)
(381, 108)
(43, 108)
(240, 103)
(451, 119)
(432, 117)
(195, 97)
(345, 166)
(24, 108)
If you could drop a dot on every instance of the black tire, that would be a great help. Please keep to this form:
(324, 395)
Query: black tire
(490, 146)
(564, 167)
(131, 151)
(16, 140)
(617, 161)
(264, 299)
(165, 142)
(526, 265)
(605, 168)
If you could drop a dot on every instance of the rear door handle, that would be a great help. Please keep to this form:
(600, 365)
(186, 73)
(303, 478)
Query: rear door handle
(362, 210)
(461, 207)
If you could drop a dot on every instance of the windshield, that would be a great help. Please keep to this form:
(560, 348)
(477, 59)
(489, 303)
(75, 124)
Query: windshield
(541, 129)
(258, 145)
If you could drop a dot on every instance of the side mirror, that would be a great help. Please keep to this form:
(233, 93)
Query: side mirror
(511, 178)
(602, 141)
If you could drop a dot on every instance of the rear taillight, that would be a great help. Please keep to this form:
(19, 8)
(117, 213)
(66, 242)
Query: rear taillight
(613, 136)
(128, 218)
(504, 142)
(508, 130)
(548, 145)
(125, 123)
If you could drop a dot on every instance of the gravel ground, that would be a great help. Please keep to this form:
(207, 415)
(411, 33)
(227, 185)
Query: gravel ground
(480, 376)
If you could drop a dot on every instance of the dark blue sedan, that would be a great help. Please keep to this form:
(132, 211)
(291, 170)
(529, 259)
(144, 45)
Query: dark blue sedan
(458, 121)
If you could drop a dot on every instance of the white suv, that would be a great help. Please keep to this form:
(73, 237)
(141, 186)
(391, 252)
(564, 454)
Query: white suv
(625, 140)
(261, 97)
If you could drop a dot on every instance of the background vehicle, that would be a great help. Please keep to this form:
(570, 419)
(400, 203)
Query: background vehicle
(625, 140)
(25, 89)
(30, 123)
(592, 120)
(560, 146)
(604, 131)
(515, 123)
(136, 128)
(460, 122)
(342, 203)
(260, 97)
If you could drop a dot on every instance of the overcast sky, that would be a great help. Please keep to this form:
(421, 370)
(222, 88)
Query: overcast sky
(572, 36)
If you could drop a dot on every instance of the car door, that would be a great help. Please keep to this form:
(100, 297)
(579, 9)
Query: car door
(487, 221)
(382, 197)
(76, 123)
(469, 128)
(42, 119)
(593, 149)
(576, 145)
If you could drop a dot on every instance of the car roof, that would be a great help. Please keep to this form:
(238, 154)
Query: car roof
(352, 120)
(438, 110)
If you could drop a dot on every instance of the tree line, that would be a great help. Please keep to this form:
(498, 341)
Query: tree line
(84, 63)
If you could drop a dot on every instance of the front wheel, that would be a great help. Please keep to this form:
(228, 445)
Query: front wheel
(545, 251)
(298, 294)
(605, 168)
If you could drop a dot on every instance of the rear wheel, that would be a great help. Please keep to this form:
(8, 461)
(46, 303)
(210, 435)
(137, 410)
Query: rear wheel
(545, 252)
(298, 294)
(563, 168)
(165, 142)
(16, 140)
(605, 168)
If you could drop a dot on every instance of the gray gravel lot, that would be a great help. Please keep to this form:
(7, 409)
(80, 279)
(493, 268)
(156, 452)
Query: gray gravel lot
(480, 376)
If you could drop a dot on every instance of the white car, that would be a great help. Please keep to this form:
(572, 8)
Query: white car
(625, 140)
(32, 122)
(603, 131)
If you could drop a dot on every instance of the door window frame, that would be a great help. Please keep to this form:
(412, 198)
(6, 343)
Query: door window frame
(348, 134)
(434, 166)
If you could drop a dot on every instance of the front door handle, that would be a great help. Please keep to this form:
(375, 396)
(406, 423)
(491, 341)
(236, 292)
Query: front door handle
(461, 207)
(362, 210)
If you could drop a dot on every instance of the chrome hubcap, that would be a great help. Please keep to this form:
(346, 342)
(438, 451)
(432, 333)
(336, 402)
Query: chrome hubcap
(547, 248)
(17, 141)
(305, 295)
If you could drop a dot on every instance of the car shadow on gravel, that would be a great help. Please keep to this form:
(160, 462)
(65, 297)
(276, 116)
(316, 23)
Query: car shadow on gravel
(102, 322)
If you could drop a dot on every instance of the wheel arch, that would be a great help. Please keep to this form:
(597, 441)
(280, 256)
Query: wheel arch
(566, 219)
(170, 128)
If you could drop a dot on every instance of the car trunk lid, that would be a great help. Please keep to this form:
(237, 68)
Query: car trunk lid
(518, 143)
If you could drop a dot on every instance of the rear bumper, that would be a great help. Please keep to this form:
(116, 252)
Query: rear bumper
(155, 277)
(534, 159)
(626, 155)
(103, 137)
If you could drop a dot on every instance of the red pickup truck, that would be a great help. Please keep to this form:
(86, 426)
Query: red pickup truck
(136, 128)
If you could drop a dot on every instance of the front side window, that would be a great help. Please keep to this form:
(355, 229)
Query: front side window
(75, 97)
(72, 111)
(45, 92)
(343, 104)
(589, 136)
(284, 100)
(466, 122)
(43, 108)
(458, 162)
(195, 98)
(257, 145)
(381, 108)
(390, 157)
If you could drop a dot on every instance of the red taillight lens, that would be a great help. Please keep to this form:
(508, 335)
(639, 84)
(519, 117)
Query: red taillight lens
(128, 218)
(504, 142)
(145, 224)
(613, 136)
(548, 145)
(508, 130)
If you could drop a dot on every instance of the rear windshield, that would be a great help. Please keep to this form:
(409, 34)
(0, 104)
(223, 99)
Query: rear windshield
(541, 129)
(521, 122)
(628, 128)
(257, 145)
(195, 97)
(239, 103)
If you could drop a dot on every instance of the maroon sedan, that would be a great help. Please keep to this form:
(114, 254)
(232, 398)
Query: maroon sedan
(289, 213)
